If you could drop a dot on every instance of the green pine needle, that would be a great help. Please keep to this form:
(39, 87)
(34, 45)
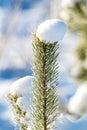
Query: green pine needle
(45, 100)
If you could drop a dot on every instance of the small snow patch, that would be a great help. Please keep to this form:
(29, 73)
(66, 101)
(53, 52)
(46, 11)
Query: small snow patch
(51, 30)
(22, 86)
(24, 103)
(78, 102)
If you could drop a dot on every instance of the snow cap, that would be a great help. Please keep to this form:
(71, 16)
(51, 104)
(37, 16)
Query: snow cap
(22, 86)
(51, 30)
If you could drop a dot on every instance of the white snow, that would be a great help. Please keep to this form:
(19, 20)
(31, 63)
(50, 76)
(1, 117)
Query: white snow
(78, 103)
(51, 30)
(24, 103)
(24, 120)
(21, 86)
(29, 128)
(69, 3)
(22, 89)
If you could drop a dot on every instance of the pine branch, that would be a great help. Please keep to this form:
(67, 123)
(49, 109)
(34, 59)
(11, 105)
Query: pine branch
(18, 113)
(45, 101)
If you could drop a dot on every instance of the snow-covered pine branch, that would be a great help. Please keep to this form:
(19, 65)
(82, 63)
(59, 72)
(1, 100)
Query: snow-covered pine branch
(19, 98)
(45, 100)
(45, 48)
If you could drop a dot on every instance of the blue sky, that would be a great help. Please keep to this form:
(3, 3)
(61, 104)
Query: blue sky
(10, 3)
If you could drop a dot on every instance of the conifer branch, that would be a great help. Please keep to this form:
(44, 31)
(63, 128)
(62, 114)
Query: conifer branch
(45, 101)
(18, 113)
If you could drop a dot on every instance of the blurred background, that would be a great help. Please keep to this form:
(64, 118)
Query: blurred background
(18, 20)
